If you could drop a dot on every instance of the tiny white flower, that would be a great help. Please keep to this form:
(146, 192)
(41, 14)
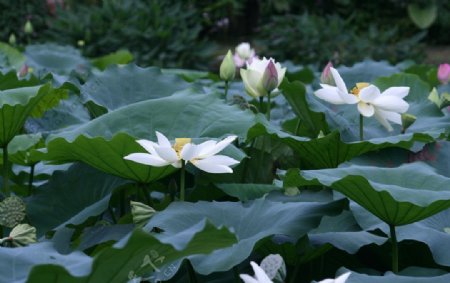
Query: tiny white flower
(340, 279)
(259, 74)
(385, 106)
(204, 157)
(243, 53)
(260, 275)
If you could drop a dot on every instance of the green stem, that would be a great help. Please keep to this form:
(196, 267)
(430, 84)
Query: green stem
(298, 126)
(226, 90)
(237, 278)
(294, 274)
(113, 216)
(30, 180)
(394, 248)
(182, 180)
(261, 104)
(268, 107)
(361, 127)
(147, 198)
(6, 191)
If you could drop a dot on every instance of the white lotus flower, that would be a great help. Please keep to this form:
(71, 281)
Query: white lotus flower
(262, 76)
(204, 157)
(243, 53)
(260, 275)
(386, 106)
(340, 279)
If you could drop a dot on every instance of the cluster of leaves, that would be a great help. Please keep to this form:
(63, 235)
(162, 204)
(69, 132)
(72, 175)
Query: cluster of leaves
(306, 187)
(309, 38)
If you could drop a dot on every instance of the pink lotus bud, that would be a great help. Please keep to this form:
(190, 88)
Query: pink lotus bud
(444, 73)
(270, 77)
(326, 77)
(23, 71)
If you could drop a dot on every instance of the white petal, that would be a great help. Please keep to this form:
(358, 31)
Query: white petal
(260, 274)
(347, 97)
(189, 151)
(342, 278)
(369, 93)
(251, 79)
(397, 91)
(367, 110)
(383, 120)
(147, 159)
(338, 80)
(218, 147)
(391, 103)
(330, 94)
(391, 116)
(221, 160)
(281, 74)
(211, 167)
(148, 146)
(167, 153)
(162, 140)
(248, 279)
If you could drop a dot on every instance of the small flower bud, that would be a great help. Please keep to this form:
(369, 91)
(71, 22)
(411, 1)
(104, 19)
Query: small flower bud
(443, 73)
(275, 268)
(227, 68)
(407, 121)
(23, 235)
(80, 43)
(270, 77)
(12, 39)
(141, 213)
(326, 77)
(28, 29)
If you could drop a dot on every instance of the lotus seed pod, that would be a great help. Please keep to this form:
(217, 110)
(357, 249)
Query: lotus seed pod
(274, 267)
(12, 211)
(141, 213)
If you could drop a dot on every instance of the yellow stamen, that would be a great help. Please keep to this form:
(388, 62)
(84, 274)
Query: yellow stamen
(358, 88)
(180, 143)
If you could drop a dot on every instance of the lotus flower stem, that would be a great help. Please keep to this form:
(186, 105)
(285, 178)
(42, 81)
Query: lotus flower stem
(191, 271)
(5, 172)
(226, 90)
(361, 127)
(144, 191)
(30, 180)
(394, 248)
(261, 104)
(182, 180)
(297, 127)
(268, 107)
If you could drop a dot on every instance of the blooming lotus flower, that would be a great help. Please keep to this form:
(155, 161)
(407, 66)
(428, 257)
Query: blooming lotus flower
(444, 73)
(386, 106)
(203, 156)
(243, 53)
(262, 76)
(260, 275)
(340, 279)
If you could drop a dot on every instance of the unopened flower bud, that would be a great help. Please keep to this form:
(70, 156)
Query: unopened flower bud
(141, 213)
(28, 29)
(443, 73)
(270, 77)
(12, 39)
(23, 235)
(407, 121)
(326, 77)
(275, 268)
(227, 68)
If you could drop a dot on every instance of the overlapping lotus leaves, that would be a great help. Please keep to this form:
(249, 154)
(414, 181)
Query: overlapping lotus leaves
(104, 141)
(19, 103)
(22, 149)
(389, 277)
(250, 222)
(120, 86)
(330, 151)
(398, 196)
(118, 57)
(245, 192)
(10, 57)
(70, 197)
(131, 257)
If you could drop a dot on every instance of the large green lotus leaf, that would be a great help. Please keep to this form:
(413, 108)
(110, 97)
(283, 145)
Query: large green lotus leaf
(11, 57)
(22, 149)
(251, 222)
(345, 118)
(49, 57)
(19, 103)
(10, 80)
(70, 197)
(398, 196)
(245, 192)
(129, 257)
(120, 86)
(104, 141)
(118, 57)
(343, 232)
(390, 277)
(330, 151)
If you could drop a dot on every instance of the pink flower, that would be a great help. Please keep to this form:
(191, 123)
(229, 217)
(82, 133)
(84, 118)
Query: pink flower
(244, 54)
(443, 73)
